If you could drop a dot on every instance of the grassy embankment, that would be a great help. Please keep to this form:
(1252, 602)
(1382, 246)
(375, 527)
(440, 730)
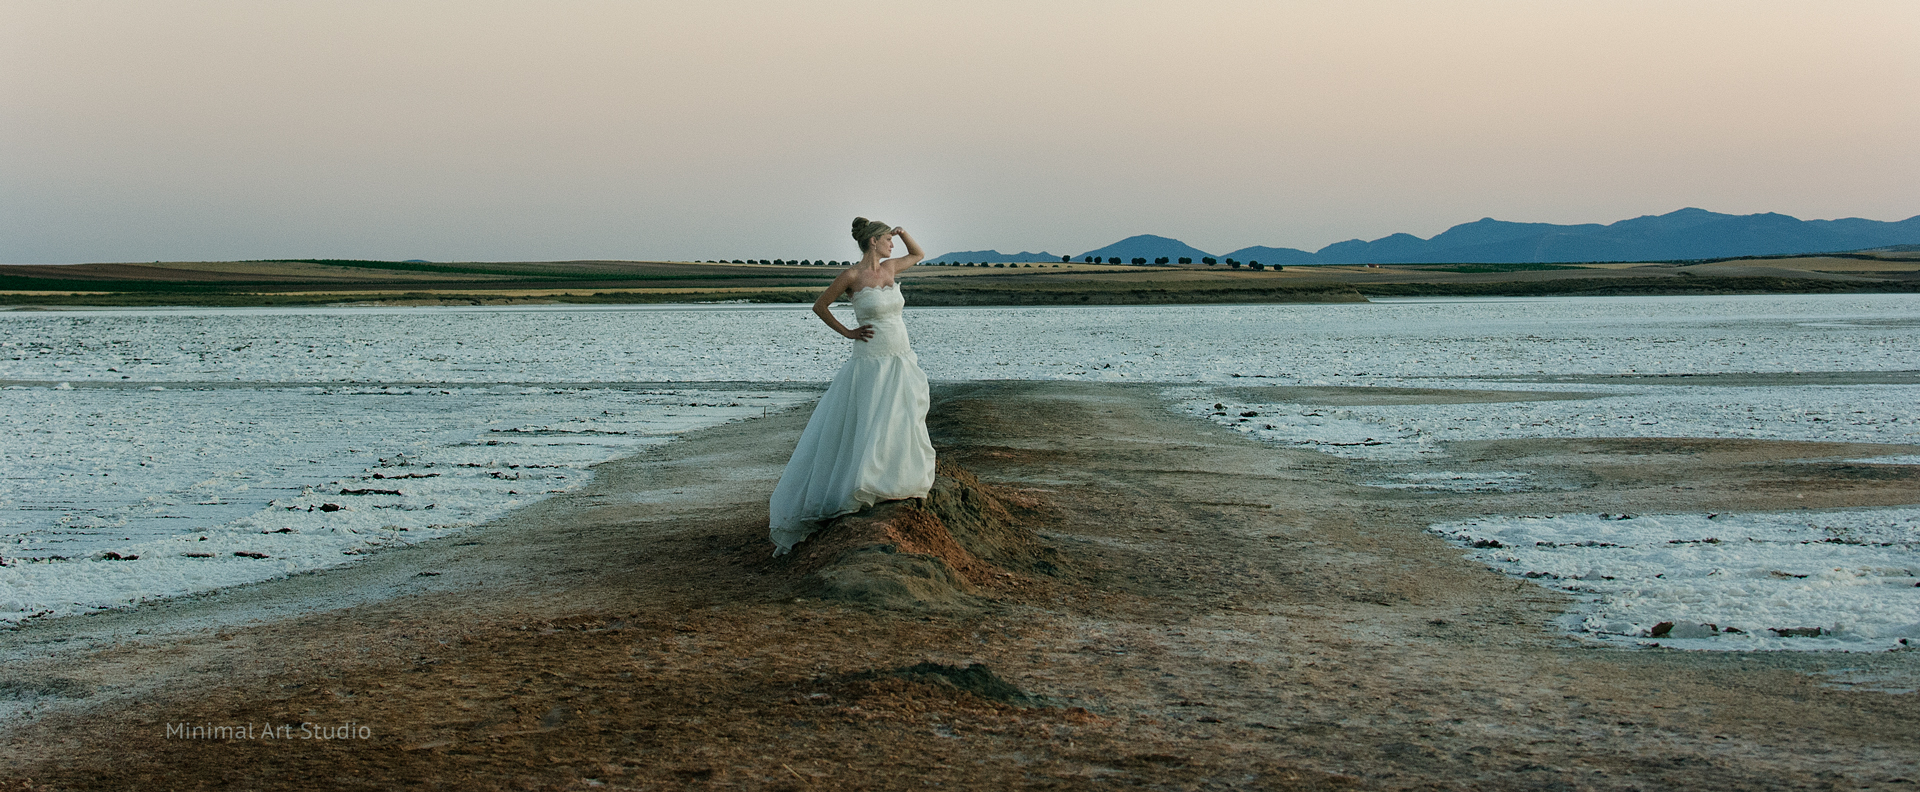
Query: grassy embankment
(332, 282)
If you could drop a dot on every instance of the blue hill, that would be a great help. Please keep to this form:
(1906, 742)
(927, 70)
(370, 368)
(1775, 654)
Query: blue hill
(1146, 246)
(1273, 256)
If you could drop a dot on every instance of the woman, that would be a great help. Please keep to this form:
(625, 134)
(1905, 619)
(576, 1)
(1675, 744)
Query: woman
(867, 439)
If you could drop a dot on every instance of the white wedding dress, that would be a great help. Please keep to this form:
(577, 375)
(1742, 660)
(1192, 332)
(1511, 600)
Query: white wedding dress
(867, 440)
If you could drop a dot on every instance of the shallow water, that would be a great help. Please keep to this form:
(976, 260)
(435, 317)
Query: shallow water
(1350, 343)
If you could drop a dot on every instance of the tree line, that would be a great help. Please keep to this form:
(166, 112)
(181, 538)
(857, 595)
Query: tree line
(1139, 261)
(1163, 261)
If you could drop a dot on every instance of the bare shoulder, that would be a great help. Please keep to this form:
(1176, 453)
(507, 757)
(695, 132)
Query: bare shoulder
(847, 280)
(841, 284)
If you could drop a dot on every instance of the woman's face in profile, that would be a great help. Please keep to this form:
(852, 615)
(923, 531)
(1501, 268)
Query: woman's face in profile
(883, 243)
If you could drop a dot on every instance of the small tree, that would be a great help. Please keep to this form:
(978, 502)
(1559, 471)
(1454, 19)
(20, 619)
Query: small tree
(1137, 261)
(1208, 260)
(1233, 264)
(1255, 265)
(1160, 260)
(1186, 259)
(1113, 260)
(1066, 259)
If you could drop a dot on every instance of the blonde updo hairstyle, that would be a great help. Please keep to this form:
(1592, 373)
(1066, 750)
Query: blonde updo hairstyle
(865, 230)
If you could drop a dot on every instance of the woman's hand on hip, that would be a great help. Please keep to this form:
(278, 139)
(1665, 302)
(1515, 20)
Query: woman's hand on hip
(861, 333)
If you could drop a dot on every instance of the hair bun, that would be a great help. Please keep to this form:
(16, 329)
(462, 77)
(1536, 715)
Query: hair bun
(864, 229)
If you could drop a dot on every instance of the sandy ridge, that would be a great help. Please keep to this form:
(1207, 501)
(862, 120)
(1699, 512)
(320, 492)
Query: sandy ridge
(1237, 615)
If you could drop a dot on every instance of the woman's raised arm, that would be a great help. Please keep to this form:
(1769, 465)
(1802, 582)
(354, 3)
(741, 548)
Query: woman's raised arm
(914, 253)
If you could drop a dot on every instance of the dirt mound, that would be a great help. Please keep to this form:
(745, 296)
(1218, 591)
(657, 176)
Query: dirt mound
(973, 678)
(994, 524)
(935, 553)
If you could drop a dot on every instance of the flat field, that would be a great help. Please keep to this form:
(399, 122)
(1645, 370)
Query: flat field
(322, 282)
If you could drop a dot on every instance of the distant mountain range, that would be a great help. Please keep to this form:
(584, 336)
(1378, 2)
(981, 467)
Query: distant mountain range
(1685, 234)
(990, 257)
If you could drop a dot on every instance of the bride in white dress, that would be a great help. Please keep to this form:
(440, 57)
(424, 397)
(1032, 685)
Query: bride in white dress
(867, 440)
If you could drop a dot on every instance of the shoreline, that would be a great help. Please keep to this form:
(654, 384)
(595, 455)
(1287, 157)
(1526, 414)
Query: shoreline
(1233, 610)
(332, 485)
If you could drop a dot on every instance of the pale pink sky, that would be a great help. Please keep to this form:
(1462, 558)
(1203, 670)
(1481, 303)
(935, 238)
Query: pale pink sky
(475, 130)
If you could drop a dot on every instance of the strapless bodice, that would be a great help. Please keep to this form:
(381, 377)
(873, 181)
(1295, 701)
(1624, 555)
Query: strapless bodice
(880, 307)
(877, 302)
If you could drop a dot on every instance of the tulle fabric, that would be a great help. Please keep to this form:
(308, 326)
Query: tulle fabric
(867, 440)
